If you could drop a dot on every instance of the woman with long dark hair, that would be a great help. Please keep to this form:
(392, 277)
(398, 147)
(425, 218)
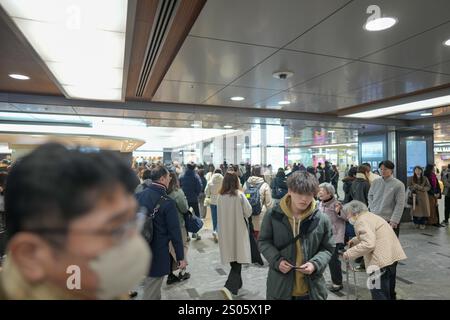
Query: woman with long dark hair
(233, 211)
(433, 195)
(419, 186)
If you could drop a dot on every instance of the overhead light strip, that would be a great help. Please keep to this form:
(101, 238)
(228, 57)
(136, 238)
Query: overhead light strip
(82, 42)
(403, 108)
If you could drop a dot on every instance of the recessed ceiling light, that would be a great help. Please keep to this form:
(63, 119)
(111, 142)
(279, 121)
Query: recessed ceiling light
(447, 43)
(237, 98)
(19, 76)
(380, 24)
(426, 114)
(284, 102)
(228, 127)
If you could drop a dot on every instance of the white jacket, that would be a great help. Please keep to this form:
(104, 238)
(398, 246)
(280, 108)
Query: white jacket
(213, 187)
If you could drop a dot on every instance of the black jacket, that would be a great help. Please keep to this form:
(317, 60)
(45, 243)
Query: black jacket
(166, 227)
(347, 187)
(279, 186)
(359, 190)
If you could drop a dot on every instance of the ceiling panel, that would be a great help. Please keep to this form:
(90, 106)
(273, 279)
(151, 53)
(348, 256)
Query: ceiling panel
(343, 34)
(169, 115)
(441, 67)
(418, 52)
(263, 22)
(251, 96)
(7, 107)
(214, 62)
(16, 58)
(349, 77)
(303, 65)
(39, 108)
(187, 92)
(135, 113)
(307, 102)
(408, 83)
(99, 111)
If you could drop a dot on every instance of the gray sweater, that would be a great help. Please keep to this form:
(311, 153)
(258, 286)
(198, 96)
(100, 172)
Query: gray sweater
(387, 198)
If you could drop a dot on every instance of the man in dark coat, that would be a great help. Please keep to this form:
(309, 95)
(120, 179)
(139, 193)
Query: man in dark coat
(166, 227)
(192, 187)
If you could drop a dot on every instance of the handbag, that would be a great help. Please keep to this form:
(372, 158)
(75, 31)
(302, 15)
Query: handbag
(192, 222)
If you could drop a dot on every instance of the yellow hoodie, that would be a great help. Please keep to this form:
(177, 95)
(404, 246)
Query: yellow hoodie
(300, 286)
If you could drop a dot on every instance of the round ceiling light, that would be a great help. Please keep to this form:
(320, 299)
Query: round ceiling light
(447, 43)
(380, 24)
(237, 98)
(19, 76)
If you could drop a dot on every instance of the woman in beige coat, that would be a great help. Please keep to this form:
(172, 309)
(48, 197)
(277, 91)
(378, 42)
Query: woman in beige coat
(419, 185)
(376, 241)
(233, 211)
(257, 179)
(212, 193)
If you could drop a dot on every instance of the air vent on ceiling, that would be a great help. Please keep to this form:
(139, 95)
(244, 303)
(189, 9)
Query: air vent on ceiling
(161, 26)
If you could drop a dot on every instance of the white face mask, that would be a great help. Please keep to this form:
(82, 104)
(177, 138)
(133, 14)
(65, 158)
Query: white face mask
(122, 267)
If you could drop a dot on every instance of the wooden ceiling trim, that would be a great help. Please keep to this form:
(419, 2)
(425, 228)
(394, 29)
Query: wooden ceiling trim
(186, 15)
(145, 15)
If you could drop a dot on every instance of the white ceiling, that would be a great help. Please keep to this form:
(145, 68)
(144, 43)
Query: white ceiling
(235, 46)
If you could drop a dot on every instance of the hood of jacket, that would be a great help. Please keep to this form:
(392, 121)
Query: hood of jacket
(216, 179)
(361, 176)
(253, 180)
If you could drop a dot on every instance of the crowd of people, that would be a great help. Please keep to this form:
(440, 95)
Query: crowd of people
(68, 207)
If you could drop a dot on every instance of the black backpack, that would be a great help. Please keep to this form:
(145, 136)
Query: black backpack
(254, 197)
(147, 230)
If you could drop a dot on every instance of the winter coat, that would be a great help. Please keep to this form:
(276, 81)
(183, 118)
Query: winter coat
(376, 241)
(265, 196)
(422, 208)
(181, 204)
(191, 184)
(204, 183)
(213, 187)
(233, 212)
(337, 220)
(359, 189)
(166, 227)
(446, 182)
(278, 183)
(347, 181)
(317, 244)
(144, 185)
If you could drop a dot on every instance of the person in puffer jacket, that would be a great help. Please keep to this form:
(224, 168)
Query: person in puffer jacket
(265, 195)
(212, 192)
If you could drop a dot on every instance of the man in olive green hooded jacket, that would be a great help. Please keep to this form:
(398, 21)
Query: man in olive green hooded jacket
(296, 239)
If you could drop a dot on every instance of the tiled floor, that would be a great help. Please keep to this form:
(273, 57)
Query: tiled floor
(424, 275)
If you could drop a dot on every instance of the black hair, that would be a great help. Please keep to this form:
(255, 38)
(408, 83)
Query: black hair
(256, 171)
(147, 174)
(218, 171)
(367, 165)
(281, 173)
(191, 166)
(158, 172)
(388, 164)
(52, 186)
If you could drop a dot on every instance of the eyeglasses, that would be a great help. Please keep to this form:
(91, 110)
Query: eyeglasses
(118, 234)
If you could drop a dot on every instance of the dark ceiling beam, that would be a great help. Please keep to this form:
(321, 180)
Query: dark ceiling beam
(194, 109)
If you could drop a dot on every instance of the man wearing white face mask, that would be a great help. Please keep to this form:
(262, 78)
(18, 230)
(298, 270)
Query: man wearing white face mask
(73, 228)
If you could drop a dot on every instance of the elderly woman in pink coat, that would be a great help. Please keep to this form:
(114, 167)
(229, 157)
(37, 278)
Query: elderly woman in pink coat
(330, 206)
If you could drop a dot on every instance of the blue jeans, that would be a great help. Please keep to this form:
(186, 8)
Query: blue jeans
(214, 216)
